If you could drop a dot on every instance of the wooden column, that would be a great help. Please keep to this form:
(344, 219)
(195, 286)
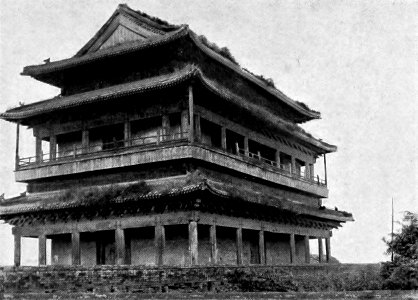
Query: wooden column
(239, 246)
(312, 171)
(293, 166)
(127, 133)
(193, 243)
(166, 127)
(120, 245)
(85, 141)
(17, 146)
(292, 249)
(75, 248)
(52, 147)
(246, 148)
(307, 170)
(278, 158)
(191, 114)
(325, 169)
(307, 250)
(184, 123)
(17, 249)
(320, 251)
(38, 149)
(261, 247)
(42, 250)
(223, 137)
(198, 130)
(328, 249)
(213, 245)
(159, 244)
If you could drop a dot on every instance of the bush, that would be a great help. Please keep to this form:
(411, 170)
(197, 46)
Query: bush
(400, 275)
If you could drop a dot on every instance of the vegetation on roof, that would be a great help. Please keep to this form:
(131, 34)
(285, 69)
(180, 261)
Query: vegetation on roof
(267, 81)
(154, 19)
(223, 51)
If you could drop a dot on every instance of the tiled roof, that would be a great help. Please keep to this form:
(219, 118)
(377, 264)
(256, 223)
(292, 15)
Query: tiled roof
(153, 83)
(34, 203)
(160, 40)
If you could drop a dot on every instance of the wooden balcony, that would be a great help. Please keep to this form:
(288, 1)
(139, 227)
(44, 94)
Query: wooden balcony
(160, 148)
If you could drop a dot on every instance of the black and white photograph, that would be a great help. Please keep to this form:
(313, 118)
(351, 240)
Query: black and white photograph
(240, 149)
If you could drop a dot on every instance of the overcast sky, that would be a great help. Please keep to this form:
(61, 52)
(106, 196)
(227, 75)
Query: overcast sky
(355, 61)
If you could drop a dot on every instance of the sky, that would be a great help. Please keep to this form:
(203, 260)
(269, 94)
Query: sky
(354, 61)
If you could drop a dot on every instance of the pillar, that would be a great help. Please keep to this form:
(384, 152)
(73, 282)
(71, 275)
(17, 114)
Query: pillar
(239, 246)
(223, 137)
(75, 248)
(85, 141)
(261, 247)
(307, 250)
(246, 148)
(325, 169)
(278, 163)
(307, 171)
(320, 251)
(159, 244)
(213, 245)
(17, 249)
(293, 167)
(120, 246)
(127, 133)
(38, 149)
(198, 130)
(166, 127)
(191, 114)
(292, 248)
(184, 123)
(52, 147)
(312, 171)
(17, 146)
(193, 243)
(328, 249)
(42, 250)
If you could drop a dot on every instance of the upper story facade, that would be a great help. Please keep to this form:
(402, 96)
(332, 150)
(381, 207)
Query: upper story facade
(158, 93)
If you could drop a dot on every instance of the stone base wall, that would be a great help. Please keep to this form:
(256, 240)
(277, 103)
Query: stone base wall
(141, 279)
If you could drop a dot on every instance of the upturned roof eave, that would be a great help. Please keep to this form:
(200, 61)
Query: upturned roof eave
(25, 205)
(60, 103)
(37, 71)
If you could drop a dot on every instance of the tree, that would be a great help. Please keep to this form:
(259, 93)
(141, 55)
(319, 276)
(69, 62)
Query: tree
(402, 273)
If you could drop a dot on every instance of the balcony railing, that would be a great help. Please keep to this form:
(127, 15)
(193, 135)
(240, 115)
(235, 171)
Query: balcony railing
(77, 151)
(285, 169)
(154, 140)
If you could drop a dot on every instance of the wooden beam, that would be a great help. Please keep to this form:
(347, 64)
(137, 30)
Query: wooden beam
(292, 248)
(261, 247)
(213, 245)
(191, 114)
(193, 243)
(159, 244)
(239, 245)
(17, 249)
(328, 249)
(42, 250)
(75, 248)
(307, 250)
(320, 251)
(120, 246)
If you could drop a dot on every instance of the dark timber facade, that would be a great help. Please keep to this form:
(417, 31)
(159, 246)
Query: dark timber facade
(161, 150)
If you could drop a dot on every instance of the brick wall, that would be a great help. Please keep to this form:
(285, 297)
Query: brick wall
(140, 279)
